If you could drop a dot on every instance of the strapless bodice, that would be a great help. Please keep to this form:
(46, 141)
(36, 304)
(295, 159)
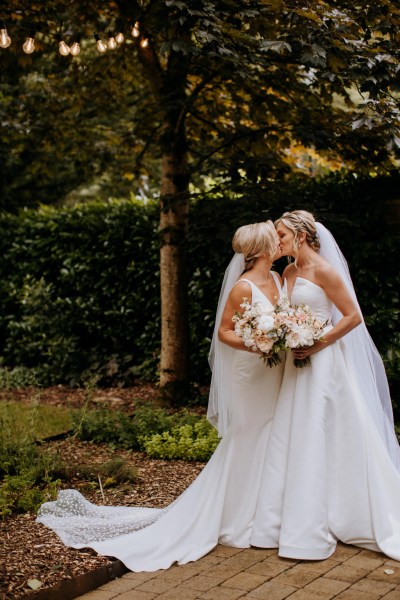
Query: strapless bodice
(307, 292)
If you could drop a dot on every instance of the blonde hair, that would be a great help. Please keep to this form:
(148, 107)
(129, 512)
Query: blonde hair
(254, 240)
(298, 221)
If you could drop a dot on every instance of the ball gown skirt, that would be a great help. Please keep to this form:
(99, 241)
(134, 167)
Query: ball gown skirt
(327, 474)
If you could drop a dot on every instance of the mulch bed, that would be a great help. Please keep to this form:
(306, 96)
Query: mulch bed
(29, 550)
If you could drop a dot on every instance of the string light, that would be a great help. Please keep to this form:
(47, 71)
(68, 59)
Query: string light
(29, 45)
(5, 39)
(100, 45)
(75, 49)
(144, 43)
(135, 30)
(114, 40)
(112, 44)
(63, 48)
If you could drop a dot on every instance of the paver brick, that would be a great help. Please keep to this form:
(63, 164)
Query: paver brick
(245, 581)
(365, 562)
(296, 577)
(272, 591)
(224, 551)
(352, 594)
(140, 577)
(136, 595)
(394, 595)
(374, 586)
(119, 585)
(343, 551)
(178, 593)
(268, 569)
(306, 595)
(100, 595)
(344, 573)
(201, 582)
(220, 570)
(319, 566)
(220, 593)
(380, 575)
(158, 585)
(327, 588)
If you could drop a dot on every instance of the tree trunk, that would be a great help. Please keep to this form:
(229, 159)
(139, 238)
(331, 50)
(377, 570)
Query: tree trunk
(174, 377)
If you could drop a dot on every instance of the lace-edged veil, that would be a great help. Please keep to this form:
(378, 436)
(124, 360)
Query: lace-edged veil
(220, 357)
(366, 363)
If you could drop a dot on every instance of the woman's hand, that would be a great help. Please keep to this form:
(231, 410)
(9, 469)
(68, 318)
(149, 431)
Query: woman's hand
(305, 351)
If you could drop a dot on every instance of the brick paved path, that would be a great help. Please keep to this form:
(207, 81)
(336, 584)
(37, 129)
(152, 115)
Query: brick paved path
(231, 573)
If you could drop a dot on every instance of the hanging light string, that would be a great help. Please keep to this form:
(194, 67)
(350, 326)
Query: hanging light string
(114, 40)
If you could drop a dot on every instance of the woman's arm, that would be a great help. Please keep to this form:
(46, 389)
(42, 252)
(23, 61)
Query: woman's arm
(336, 290)
(226, 333)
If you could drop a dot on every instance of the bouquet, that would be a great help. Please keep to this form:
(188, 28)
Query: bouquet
(263, 329)
(302, 329)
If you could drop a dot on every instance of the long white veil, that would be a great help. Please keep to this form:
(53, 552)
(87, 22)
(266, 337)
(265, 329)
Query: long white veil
(220, 357)
(366, 362)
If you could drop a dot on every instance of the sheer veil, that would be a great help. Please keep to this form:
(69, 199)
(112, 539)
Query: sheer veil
(366, 362)
(220, 357)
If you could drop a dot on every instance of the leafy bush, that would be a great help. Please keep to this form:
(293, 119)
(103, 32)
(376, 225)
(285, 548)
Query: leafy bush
(83, 291)
(123, 431)
(187, 442)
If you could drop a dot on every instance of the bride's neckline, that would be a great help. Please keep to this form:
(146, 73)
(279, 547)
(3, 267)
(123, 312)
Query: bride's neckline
(278, 289)
(294, 285)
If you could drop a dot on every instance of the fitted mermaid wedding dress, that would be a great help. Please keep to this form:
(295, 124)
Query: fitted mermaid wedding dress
(327, 474)
(218, 507)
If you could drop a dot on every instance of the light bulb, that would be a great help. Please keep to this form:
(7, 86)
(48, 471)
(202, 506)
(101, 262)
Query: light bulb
(112, 44)
(29, 45)
(101, 46)
(75, 49)
(144, 43)
(135, 30)
(5, 39)
(119, 38)
(63, 48)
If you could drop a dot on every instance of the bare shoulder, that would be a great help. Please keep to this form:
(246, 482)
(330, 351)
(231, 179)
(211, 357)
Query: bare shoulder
(326, 275)
(241, 289)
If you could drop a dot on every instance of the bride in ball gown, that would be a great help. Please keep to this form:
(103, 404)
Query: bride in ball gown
(332, 464)
(220, 505)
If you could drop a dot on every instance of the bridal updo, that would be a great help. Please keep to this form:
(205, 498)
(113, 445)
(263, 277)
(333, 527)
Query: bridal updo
(254, 240)
(298, 221)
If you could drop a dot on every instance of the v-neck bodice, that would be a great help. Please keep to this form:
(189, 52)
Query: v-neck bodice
(258, 295)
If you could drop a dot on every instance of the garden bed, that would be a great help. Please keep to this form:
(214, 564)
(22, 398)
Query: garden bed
(32, 552)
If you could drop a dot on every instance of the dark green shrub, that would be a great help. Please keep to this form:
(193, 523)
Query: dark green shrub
(79, 287)
(123, 431)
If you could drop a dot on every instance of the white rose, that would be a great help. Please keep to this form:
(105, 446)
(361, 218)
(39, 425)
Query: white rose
(265, 323)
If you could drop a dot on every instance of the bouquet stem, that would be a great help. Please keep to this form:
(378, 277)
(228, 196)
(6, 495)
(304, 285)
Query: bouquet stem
(302, 362)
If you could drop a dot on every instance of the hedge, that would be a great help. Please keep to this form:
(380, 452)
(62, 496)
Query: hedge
(79, 286)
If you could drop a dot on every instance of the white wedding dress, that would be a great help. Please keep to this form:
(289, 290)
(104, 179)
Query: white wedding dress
(218, 507)
(327, 473)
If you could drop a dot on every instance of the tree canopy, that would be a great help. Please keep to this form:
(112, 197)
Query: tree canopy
(259, 78)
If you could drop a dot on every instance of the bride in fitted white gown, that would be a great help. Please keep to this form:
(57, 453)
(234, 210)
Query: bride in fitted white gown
(220, 505)
(332, 464)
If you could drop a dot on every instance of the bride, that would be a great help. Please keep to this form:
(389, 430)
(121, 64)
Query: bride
(220, 505)
(332, 465)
